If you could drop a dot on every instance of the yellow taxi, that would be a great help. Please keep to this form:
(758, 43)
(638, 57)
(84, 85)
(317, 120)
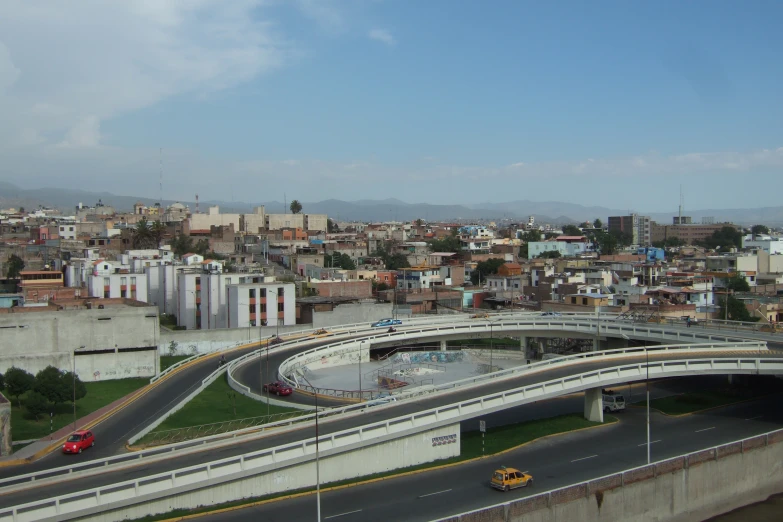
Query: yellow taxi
(510, 478)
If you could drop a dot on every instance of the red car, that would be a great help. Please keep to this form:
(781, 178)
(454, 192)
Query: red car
(278, 388)
(78, 441)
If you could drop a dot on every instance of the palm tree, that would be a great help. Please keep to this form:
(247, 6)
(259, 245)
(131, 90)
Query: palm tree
(142, 234)
(295, 207)
(157, 231)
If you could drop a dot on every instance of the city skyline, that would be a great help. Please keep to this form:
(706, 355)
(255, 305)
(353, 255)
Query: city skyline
(440, 103)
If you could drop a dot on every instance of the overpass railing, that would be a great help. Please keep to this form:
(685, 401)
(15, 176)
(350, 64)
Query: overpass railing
(356, 408)
(82, 502)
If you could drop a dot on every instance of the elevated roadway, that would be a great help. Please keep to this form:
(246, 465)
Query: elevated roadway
(485, 398)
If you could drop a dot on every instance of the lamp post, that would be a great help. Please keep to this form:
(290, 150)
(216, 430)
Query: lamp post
(647, 383)
(267, 379)
(73, 375)
(361, 345)
(317, 456)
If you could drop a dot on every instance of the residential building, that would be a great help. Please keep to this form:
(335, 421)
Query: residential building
(688, 234)
(768, 244)
(639, 228)
(260, 304)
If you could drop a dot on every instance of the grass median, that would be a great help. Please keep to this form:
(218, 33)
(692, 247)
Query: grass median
(496, 440)
(99, 394)
(697, 401)
(217, 403)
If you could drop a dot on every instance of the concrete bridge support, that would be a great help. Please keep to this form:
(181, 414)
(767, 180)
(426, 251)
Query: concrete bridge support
(443, 346)
(594, 405)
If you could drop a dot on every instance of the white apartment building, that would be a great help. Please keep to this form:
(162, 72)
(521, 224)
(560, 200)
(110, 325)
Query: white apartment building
(261, 304)
(770, 245)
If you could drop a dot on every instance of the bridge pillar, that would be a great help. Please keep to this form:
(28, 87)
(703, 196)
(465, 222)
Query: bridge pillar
(523, 344)
(594, 405)
(443, 346)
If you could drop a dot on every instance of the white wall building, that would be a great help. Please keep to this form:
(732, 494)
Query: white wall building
(261, 304)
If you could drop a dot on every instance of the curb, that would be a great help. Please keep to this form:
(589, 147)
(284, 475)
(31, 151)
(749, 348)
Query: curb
(134, 397)
(379, 479)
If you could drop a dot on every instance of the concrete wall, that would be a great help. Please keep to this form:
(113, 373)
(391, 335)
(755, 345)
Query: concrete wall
(352, 313)
(437, 444)
(5, 427)
(689, 488)
(191, 342)
(111, 343)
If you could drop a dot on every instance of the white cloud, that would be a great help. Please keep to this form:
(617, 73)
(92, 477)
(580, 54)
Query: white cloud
(65, 67)
(324, 13)
(382, 35)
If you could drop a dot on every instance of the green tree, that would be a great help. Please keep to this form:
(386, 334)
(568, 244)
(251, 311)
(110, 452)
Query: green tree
(758, 230)
(17, 382)
(15, 266)
(295, 207)
(737, 310)
(201, 247)
(36, 405)
(142, 234)
(157, 230)
(550, 254)
(50, 383)
(623, 238)
(737, 283)
(724, 239)
(550, 235)
(572, 230)
(485, 268)
(598, 223)
(450, 243)
(2, 381)
(182, 244)
(605, 243)
(419, 222)
(331, 226)
(392, 261)
(338, 260)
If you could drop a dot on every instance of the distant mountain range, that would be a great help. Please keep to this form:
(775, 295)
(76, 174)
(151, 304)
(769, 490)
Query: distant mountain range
(389, 209)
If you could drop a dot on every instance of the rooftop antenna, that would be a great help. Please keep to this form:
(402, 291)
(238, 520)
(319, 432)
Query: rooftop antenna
(285, 204)
(160, 178)
(196, 203)
(680, 218)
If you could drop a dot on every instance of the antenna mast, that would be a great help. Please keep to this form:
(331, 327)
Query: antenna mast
(160, 179)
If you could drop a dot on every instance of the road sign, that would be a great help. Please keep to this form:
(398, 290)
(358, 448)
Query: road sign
(483, 426)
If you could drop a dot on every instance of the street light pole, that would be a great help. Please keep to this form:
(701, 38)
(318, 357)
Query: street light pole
(647, 356)
(73, 375)
(267, 379)
(361, 344)
(317, 456)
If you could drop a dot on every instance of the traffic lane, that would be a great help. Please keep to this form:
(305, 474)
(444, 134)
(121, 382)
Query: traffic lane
(111, 433)
(553, 462)
(327, 426)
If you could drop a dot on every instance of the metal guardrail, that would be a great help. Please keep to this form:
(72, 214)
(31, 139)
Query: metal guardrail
(331, 412)
(599, 483)
(74, 505)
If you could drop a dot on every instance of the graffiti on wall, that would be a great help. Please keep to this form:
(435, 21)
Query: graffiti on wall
(446, 439)
(389, 383)
(428, 357)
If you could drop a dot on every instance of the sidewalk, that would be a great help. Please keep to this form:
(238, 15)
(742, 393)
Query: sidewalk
(35, 450)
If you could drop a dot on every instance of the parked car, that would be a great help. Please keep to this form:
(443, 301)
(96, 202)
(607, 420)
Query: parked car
(386, 322)
(278, 388)
(510, 478)
(78, 441)
(551, 314)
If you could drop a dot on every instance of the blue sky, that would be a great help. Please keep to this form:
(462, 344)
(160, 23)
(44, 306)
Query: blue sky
(611, 103)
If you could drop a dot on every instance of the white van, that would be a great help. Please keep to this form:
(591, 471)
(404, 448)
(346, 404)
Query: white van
(613, 402)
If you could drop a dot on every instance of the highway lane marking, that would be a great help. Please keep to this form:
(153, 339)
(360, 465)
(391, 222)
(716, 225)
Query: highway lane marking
(705, 429)
(436, 493)
(754, 418)
(652, 442)
(584, 458)
(342, 514)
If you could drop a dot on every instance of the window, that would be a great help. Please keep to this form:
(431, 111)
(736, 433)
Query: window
(584, 300)
(228, 280)
(252, 293)
(198, 281)
(123, 281)
(106, 281)
(280, 292)
(70, 229)
(263, 308)
(280, 307)
(252, 309)
(133, 281)
(263, 292)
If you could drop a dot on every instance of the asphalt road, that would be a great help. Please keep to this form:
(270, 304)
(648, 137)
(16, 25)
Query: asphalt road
(553, 462)
(326, 427)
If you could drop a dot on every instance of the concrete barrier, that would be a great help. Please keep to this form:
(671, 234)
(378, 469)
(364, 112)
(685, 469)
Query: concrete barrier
(688, 488)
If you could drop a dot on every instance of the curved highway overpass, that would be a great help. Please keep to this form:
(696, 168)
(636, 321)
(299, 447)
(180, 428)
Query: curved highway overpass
(620, 367)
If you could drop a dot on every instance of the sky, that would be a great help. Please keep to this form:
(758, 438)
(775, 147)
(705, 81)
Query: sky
(617, 104)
